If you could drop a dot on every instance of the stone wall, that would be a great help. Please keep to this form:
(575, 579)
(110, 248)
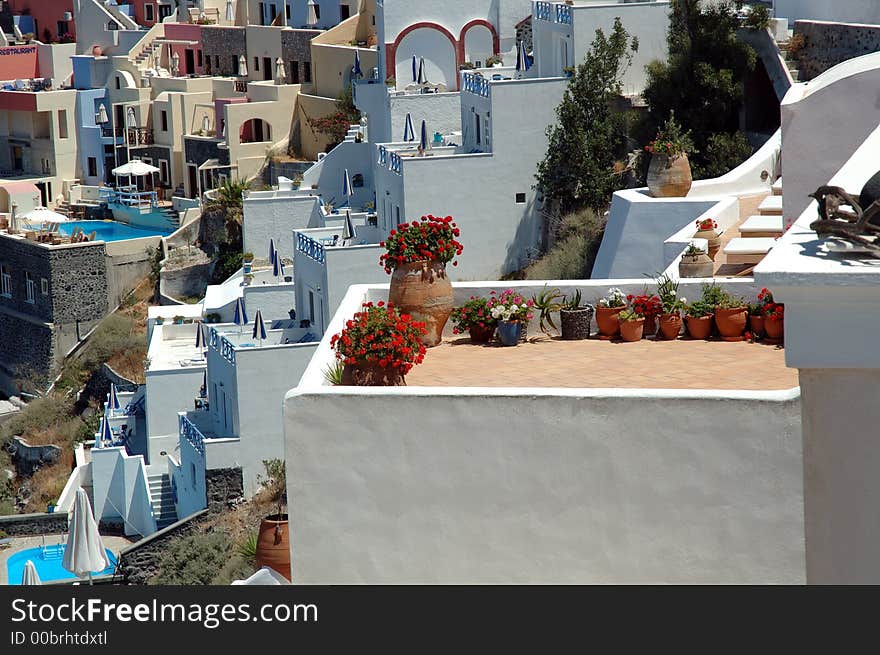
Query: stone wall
(198, 151)
(79, 282)
(140, 561)
(227, 43)
(22, 525)
(224, 488)
(20, 256)
(27, 458)
(296, 47)
(26, 347)
(187, 281)
(288, 169)
(828, 44)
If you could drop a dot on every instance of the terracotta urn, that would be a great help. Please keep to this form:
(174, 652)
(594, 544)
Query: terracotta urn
(756, 325)
(607, 321)
(423, 290)
(632, 330)
(775, 330)
(713, 238)
(372, 375)
(699, 265)
(731, 323)
(669, 177)
(273, 544)
(670, 326)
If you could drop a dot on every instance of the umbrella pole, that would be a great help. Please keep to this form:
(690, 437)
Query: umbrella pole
(90, 579)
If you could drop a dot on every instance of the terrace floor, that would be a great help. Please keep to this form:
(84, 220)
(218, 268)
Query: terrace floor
(592, 363)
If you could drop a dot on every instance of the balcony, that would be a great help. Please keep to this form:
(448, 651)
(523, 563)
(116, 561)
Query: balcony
(108, 132)
(139, 136)
(191, 433)
(310, 247)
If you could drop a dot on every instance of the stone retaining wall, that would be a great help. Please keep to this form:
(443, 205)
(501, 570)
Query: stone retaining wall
(828, 44)
(23, 525)
(27, 458)
(224, 488)
(140, 561)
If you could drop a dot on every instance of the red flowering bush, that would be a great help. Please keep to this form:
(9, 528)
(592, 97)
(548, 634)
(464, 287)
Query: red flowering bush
(773, 310)
(474, 313)
(430, 238)
(645, 305)
(707, 224)
(380, 335)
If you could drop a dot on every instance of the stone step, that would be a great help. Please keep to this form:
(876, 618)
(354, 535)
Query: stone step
(777, 187)
(771, 205)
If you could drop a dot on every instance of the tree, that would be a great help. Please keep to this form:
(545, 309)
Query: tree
(578, 170)
(702, 79)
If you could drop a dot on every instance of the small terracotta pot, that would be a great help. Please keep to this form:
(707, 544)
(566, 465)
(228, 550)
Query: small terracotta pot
(632, 330)
(650, 327)
(372, 375)
(607, 321)
(756, 325)
(731, 323)
(775, 330)
(699, 327)
(273, 544)
(670, 326)
(714, 241)
(481, 334)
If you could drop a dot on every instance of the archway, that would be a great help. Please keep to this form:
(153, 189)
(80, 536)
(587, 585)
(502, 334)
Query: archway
(437, 49)
(478, 44)
(254, 131)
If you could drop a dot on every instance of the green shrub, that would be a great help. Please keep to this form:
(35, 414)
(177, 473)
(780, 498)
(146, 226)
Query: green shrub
(758, 17)
(578, 238)
(201, 559)
(724, 152)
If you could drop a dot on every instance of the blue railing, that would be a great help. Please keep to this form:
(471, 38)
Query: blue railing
(129, 196)
(192, 434)
(222, 345)
(396, 165)
(563, 14)
(310, 247)
(542, 11)
(383, 156)
(475, 84)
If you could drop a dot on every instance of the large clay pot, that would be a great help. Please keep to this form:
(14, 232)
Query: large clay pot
(714, 241)
(423, 290)
(775, 330)
(650, 328)
(731, 323)
(700, 265)
(699, 327)
(273, 544)
(670, 326)
(481, 334)
(756, 325)
(371, 375)
(669, 177)
(575, 323)
(632, 330)
(607, 321)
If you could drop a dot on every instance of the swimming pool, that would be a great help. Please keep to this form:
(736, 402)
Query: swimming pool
(111, 230)
(48, 564)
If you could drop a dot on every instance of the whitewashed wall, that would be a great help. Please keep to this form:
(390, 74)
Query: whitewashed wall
(189, 480)
(268, 216)
(120, 490)
(168, 392)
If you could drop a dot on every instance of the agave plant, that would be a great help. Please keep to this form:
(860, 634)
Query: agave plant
(546, 302)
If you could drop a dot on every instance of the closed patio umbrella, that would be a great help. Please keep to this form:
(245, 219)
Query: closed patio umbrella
(280, 72)
(84, 553)
(230, 14)
(422, 79)
(348, 232)
(415, 69)
(423, 140)
(357, 72)
(522, 58)
(200, 335)
(240, 318)
(206, 123)
(29, 576)
(259, 327)
(409, 132)
(278, 266)
(242, 66)
(113, 397)
(346, 187)
(313, 13)
(105, 438)
(272, 252)
(102, 118)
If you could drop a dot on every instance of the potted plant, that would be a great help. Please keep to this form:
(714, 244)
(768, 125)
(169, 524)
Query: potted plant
(273, 540)
(575, 318)
(474, 318)
(672, 307)
(731, 316)
(649, 307)
(511, 311)
(159, 320)
(707, 229)
(698, 318)
(756, 319)
(248, 278)
(632, 324)
(669, 173)
(212, 317)
(607, 309)
(547, 301)
(416, 255)
(247, 261)
(178, 320)
(379, 346)
(774, 317)
(391, 81)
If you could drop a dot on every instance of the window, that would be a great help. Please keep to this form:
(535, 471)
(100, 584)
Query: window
(118, 84)
(294, 71)
(287, 10)
(5, 281)
(217, 62)
(312, 307)
(62, 123)
(397, 214)
(31, 288)
(234, 65)
(478, 127)
(44, 286)
(262, 14)
(357, 180)
(307, 72)
(164, 116)
(163, 171)
(199, 61)
(164, 11)
(520, 198)
(344, 12)
(148, 12)
(93, 166)
(256, 64)
(273, 13)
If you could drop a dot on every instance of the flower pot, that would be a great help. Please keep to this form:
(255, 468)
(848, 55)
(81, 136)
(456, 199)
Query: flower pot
(650, 328)
(756, 325)
(607, 321)
(713, 238)
(423, 290)
(775, 329)
(632, 330)
(481, 334)
(372, 375)
(731, 323)
(669, 177)
(509, 332)
(575, 323)
(699, 327)
(273, 544)
(670, 326)
(695, 266)
(247, 266)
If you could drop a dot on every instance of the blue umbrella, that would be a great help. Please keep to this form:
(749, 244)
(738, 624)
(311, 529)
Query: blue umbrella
(346, 186)
(200, 336)
(415, 68)
(358, 73)
(519, 59)
(106, 436)
(113, 400)
(522, 54)
(259, 327)
(203, 392)
(278, 267)
(423, 141)
(422, 79)
(409, 132)
(240, 317)
(348, 232)
(272, 251)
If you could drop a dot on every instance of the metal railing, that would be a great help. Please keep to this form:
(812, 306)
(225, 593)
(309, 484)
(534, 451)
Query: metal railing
(222, 345)
(475, 84)
(139, 136)
(383, 156)
(395, 164)
(109, 131)
(542, 10)
(144, 200)
(563, 14)
(310, 247)
(192, 434)
(239, 86)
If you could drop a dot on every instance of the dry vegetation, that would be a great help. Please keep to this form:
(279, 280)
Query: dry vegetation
(577, 239)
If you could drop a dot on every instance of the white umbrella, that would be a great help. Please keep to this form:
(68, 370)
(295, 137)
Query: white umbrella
(313, 13)
(44, 215)
(409, 132)
(265, 576)
(130, 117)
(29, 575)
(348, 232)
(242, 66)
(136, 168)
(280, 72)
(259, 327)
(102, 118)
(84, 553)
(113, 397)
(206, 123)
(346, 187)
(230, 14)
(175, 65)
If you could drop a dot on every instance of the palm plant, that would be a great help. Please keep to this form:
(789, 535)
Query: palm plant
(228, 200)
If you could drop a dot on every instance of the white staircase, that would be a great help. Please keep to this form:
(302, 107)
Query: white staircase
(163, 500)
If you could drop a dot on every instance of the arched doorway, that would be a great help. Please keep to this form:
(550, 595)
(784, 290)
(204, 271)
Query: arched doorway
(479, 44)
(254, 131)
(438, 51)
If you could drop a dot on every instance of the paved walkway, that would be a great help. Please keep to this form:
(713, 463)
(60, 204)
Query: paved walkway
(115, 544)
(544, 362)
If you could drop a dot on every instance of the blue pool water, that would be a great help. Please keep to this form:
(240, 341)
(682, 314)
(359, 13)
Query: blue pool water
(111, 230)
(48, 567)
